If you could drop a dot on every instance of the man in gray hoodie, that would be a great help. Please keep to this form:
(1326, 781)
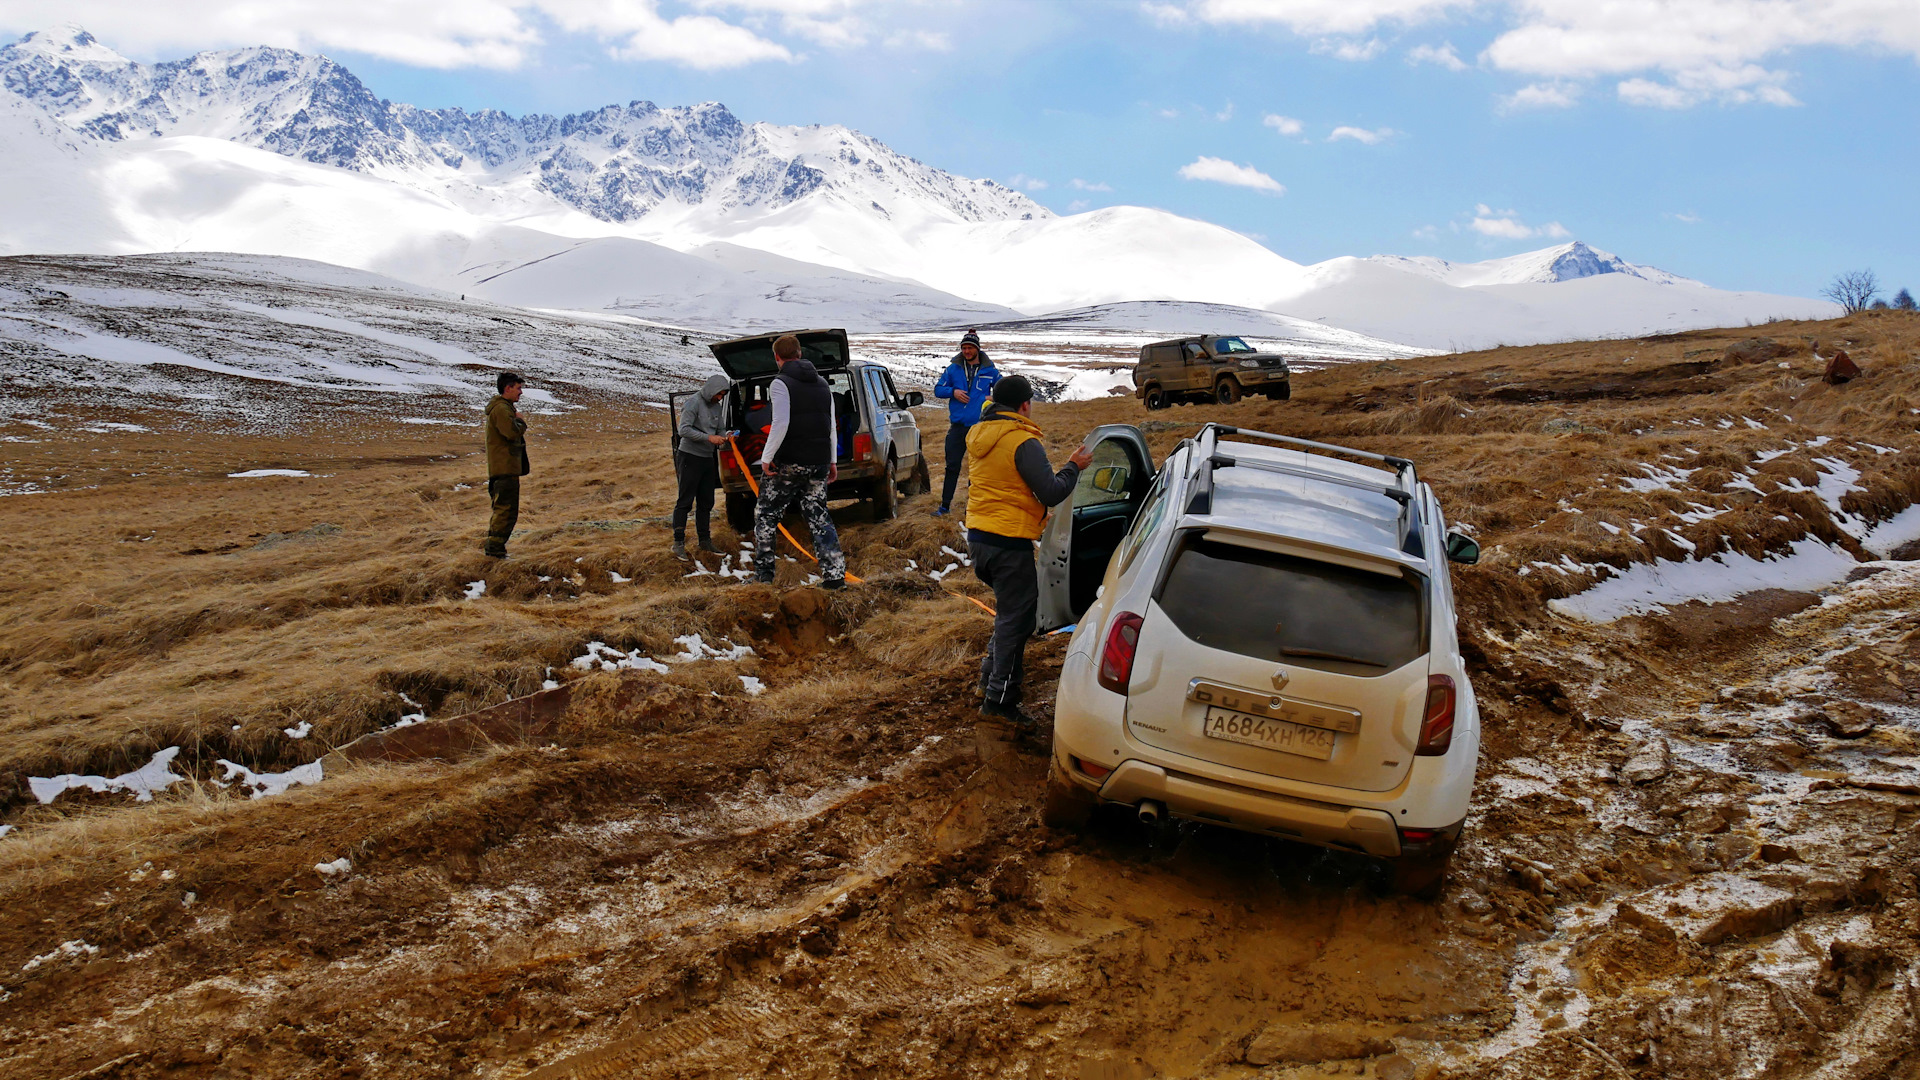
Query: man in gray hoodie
(703, 430)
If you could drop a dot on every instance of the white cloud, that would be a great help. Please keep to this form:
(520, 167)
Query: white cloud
(1542, 96)
(1225, 114)
(1166, 14)
(1442, 55)
(1688, 218)
(1082, 185)
(1666, 53)
(1506, 225)
(1321, 16)
(1362, 135)
(1285, 125)
(1354, 51)
(1222, 171)
(1167, 114)
(474, 33)
(1077, 205)
(1426, 232)
(1023, 182)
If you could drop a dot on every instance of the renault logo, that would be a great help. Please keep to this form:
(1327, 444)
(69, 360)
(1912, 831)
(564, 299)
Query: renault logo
(1280, 679)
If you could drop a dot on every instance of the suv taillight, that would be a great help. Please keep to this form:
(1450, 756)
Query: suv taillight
(1436, 724)
(862, 445)
(1116, 658)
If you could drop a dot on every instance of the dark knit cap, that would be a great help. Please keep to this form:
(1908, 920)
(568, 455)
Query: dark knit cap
(1013, 391)
(971, 337)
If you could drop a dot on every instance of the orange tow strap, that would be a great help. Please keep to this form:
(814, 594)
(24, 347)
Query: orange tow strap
(741, 460)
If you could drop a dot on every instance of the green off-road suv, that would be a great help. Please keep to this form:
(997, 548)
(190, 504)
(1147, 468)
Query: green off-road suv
(1208, 368)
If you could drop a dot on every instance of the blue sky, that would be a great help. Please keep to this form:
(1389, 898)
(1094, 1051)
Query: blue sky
(1754, 144)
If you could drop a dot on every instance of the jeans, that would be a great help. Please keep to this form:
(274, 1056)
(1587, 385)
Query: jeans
(779, 489)
(698, 477)
(1014, 578)
(956, 460)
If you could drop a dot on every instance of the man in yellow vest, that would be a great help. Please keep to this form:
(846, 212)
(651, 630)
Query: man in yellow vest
(1013, 485)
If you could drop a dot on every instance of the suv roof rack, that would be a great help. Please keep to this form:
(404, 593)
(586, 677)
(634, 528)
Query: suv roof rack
(1207, 458)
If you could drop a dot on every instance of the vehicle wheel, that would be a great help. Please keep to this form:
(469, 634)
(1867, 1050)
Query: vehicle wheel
(1227, 392)
(1156, 399)
(1420, 876)
(886, 494)
(1280, 393)
(1068, 806)
(740, 513)
(920, 483)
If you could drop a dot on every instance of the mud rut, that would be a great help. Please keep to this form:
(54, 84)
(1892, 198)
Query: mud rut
(1676, 867)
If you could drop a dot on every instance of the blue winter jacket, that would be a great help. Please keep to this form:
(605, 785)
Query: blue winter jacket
(955, 378)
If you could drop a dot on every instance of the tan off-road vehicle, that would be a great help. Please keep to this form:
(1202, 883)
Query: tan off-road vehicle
(1208, 368)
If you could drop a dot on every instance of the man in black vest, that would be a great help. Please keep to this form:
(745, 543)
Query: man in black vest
(798, 463)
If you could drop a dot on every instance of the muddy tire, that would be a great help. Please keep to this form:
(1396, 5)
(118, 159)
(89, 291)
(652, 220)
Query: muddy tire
(1156, 399)
(1280, 393)
(1068, 806)
(740, 513)
(1227, 392)
(920, 483)
(885, 494)
(1418, 876)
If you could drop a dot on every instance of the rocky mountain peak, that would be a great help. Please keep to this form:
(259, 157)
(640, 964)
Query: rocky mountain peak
(616, 163)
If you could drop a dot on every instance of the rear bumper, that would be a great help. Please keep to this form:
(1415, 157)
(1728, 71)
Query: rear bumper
(1198, 798)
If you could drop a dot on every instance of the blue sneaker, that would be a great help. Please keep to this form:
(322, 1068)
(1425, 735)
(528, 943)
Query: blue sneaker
(943, 511)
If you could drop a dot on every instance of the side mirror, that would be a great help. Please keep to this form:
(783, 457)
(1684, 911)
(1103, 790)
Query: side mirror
(1462, 548)
(1111, 479)
(915, 399)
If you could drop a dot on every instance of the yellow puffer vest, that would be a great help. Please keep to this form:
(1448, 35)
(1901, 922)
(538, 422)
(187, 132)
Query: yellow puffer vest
(999, 501)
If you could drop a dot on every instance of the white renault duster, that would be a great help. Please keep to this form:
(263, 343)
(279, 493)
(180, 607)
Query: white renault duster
(1265, 641)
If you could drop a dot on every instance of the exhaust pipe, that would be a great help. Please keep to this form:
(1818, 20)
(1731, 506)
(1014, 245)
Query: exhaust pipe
(1151, 812)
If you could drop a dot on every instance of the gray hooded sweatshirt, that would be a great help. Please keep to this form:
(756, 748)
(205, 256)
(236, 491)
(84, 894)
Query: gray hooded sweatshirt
(700, 417)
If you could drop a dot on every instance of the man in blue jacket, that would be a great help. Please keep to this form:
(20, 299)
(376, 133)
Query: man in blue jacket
(966, 385)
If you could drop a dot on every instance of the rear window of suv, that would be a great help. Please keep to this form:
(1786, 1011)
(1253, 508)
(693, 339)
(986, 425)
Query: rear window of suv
(1295, 610)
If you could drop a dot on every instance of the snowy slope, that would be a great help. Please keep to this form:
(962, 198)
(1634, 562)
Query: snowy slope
(1379, 298)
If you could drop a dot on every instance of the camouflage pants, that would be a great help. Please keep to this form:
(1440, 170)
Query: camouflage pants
(778, 489)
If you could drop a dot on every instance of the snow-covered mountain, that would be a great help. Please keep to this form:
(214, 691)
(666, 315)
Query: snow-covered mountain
(615, 164)
(689, 215)
(1567, 262)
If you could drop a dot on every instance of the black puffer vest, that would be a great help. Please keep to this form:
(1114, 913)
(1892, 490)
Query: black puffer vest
(809, 438)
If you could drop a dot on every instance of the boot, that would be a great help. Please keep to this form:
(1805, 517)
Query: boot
(680, 551)
(706, 545)
(1012, 713)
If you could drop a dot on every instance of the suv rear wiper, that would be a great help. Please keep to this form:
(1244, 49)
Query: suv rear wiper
(1322, 654)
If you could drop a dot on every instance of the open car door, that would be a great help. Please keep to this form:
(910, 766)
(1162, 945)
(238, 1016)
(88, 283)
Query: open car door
(1083, 533)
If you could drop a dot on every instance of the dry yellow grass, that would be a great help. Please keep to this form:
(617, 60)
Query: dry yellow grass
(180, 607)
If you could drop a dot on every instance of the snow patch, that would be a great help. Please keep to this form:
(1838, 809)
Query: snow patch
(264, 784)
(254, 473)
(155, 775)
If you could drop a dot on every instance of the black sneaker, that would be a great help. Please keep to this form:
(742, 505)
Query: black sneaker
(833, 583)
(1012, 713)
(680, 550)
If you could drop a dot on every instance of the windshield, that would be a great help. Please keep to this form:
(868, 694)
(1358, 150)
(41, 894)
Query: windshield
(1228, 345)
(1295, 610)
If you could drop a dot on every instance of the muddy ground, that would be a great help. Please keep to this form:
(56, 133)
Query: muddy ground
(1692, 851)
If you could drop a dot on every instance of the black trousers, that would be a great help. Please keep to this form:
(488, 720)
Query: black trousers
(698, 477)
(1015, 580)
(956, 461)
